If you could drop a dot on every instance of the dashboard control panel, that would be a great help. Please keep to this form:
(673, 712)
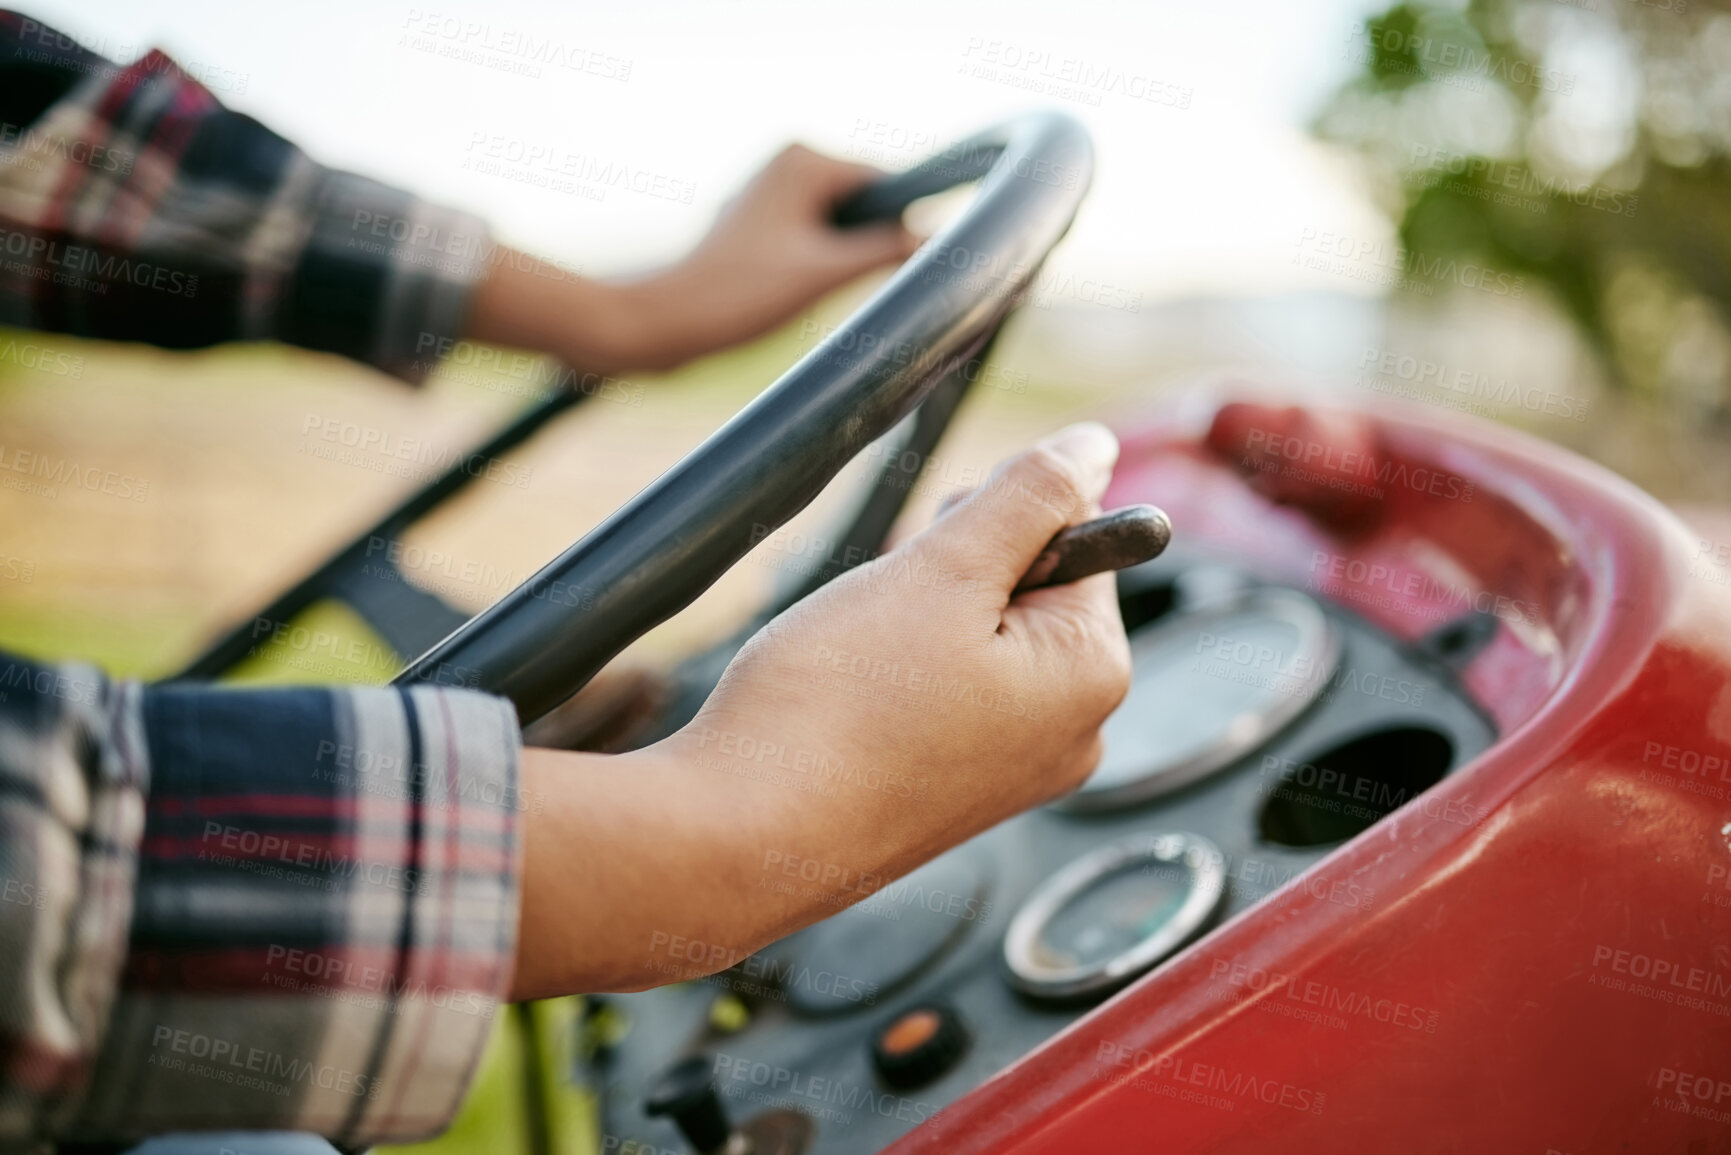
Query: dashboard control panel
(1263, 728)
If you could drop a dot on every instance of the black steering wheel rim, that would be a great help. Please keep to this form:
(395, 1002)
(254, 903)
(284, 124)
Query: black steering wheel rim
(654, 555)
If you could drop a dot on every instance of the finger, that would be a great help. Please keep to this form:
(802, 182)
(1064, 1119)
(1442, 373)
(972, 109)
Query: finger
(821, 182)
(994, 534)
(1077, 626)
(831, 179)
(862, 247)
(1083, 613)
(817, 179)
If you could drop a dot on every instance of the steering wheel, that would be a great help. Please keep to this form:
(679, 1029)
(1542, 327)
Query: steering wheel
(654, 555)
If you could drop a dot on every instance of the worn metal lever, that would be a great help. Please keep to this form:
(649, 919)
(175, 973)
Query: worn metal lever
(1116, 540)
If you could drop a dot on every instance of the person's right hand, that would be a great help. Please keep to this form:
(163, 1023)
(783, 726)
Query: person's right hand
(899, 710)
(920, 667)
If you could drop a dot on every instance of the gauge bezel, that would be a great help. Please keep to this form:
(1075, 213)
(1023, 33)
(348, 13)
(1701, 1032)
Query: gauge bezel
(1207, 891)
(1318, 636)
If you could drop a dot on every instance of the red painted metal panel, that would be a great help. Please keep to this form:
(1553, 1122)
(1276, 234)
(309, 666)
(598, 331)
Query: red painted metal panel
(1546, 962)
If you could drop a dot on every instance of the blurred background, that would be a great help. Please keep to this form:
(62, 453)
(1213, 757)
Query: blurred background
(1515, 209)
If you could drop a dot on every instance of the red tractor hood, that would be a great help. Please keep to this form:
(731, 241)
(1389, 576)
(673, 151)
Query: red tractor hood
(1546, 965)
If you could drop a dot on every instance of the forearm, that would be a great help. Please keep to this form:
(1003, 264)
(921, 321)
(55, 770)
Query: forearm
(651, 867)
(592, 326)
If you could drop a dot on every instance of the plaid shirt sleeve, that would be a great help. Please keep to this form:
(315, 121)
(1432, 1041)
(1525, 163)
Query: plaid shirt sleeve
(135, 207)
(233, 909)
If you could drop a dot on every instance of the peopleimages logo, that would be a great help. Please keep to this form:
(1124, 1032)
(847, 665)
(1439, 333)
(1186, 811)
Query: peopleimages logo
(383, 451)
(1467, 386)
(1689, 1093)
(744, 752)
(1385, 262)
(1325, 996)
(777, 975)
(1662, 972)
(30, 355)
(1334, 572)
(1517, 180)
(551, 164)
(24, 144)
(333, 975)
(258, 852)
(1445, 59)
(76, 264)
(44, 476)
(505, 49)
(816, 1089)
(1235, 1085)
(1332, 461)
(242, 1065)
(1065, 77)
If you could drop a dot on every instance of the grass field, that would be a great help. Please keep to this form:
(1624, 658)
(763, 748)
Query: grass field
(213, 479)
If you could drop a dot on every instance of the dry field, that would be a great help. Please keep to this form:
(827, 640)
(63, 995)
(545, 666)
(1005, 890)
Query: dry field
(213, 479)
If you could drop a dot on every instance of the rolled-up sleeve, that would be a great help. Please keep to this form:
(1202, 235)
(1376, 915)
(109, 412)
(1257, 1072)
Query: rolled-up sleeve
(282, 909)
(135, 206)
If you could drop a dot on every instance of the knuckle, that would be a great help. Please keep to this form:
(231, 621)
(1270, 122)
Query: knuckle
(1115, 666)
(1097, 652)
(1075, 640)
(1047, 478)
(1115, 677)
(1111, 663)
(1082, 762)
(947, 568)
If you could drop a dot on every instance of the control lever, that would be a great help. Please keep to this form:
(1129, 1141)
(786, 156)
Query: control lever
(1116, 540)
(687, 1094)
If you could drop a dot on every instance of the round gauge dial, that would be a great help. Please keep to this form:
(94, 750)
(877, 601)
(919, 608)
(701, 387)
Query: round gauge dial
(854, 958)
(1112, 914)
(1207, 686)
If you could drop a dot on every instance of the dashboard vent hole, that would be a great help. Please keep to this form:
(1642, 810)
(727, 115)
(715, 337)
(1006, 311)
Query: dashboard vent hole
(1345, 790)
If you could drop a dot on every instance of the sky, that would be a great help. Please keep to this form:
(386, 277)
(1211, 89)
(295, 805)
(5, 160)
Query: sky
(606, 136)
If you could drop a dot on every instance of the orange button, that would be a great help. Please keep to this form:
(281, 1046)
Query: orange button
(909, 1032)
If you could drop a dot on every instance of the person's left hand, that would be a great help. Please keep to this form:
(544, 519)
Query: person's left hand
(773, 251)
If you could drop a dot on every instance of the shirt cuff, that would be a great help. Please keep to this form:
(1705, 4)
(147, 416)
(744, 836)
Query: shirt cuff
(73, 776)
(325, 916)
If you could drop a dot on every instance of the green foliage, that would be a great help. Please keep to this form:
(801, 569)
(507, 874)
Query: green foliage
(1584, 145)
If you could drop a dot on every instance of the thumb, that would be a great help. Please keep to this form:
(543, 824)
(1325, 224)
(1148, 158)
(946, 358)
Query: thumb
(994, 533)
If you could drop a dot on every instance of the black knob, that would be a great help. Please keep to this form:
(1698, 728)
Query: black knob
(919, 1045)
(687, 1093)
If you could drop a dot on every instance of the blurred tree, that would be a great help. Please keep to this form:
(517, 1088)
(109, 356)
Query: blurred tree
(1583, 144)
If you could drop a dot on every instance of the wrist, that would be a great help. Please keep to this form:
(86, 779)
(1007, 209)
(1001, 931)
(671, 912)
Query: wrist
(594, 914)
(653, 321)
(592, 326)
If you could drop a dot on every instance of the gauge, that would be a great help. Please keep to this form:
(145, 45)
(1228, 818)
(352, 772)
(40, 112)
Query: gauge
(1207, 686)
(1112, 914)
(853, 959)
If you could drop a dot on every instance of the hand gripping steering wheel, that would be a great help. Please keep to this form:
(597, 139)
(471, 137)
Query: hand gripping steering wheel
(654, 555)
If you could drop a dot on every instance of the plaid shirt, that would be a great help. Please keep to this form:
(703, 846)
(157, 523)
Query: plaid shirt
(134, 207)
(248, 909)
(233, 909)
